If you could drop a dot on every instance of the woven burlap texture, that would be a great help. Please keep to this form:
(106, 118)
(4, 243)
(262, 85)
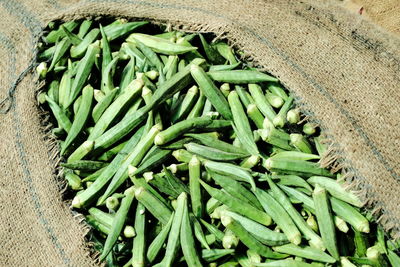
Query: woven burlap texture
(343, 70)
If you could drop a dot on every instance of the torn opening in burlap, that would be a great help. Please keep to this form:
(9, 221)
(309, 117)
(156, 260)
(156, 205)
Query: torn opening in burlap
(343, 70)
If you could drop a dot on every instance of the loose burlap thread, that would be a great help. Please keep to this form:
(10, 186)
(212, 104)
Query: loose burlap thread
(343, 70)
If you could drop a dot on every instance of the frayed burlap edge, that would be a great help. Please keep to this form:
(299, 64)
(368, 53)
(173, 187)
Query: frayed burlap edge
(335, 159)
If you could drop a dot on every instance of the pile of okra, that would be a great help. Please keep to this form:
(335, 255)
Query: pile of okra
(178, 153)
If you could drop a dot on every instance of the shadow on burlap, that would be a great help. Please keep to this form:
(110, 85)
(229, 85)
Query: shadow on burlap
(343, 70)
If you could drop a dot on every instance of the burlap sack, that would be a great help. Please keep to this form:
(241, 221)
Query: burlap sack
(344, 71)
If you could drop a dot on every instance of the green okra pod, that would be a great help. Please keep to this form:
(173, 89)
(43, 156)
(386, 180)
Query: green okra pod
(80, 49)
(296, 155)
(300, 143)
(260, 232)
(186, 105)
(292, 180)
(293, 116)
(153, 205)
(180, 128)
(206, 139)
(276, 89)
(335, 189)
(84, 28)
(87, 195)
(280, 216)
(132, 158)
(74, 181)
(114, 31)
(350, 215)
(235, 188)
(247, 239)
(61, 48)
(240, 76)
(213, 94)
(81, 151)
(128, 73)
(211, 255)
(225, 51)
(156, 245)
(109, 154)
(296, 166)
(198, 231)
(212, 153)
(241, 122)
(75, 40)
(213, 230)
(325, 220)
(223, 67)
(85, 165)
(255, 115)
(59, 114)
(150, 55)
(167, 183)
(305, 252)
(54, 35)
(194, 186)
(118, 222)
(139, 242)
(160, 45)
(174, 235)
(309, 234)
(198, 107)
(107, 84)
(211, 53)
(232, 170)
(80, 118)
(132, 91)
(280, 118)
(261, 101)
(238, 206)
(187, 241)
(83, 71)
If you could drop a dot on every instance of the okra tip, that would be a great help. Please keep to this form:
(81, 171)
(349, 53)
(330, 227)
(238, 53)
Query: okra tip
(148, 176)
(146, 91)
(194, 161)
(364, 227)
(173, 168)
(251, 108)
(267, 164)
(76, 202)
(318, 189)
(182, 196)
(278, 121)
(41, 70)
(317, 243)
(112, 203)
(42, 98)
(372, 253)
(130, 191)
(139, 190)
(296, 239)
(341, 225)
(194, 67)
(159, 140)
(294, 138)
(226, 219)
(131, 170)
(293, 116)
(129, 231)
